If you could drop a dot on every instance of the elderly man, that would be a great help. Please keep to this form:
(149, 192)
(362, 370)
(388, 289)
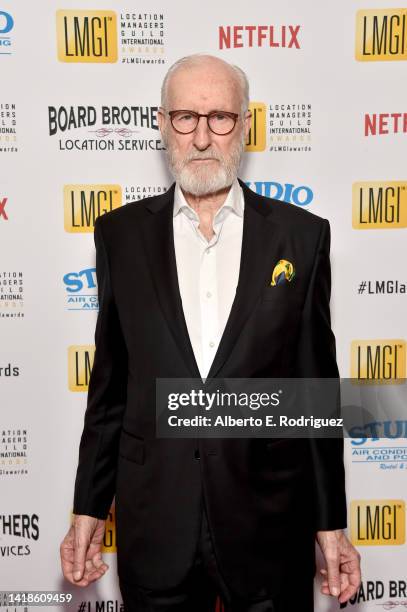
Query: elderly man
(184, 290)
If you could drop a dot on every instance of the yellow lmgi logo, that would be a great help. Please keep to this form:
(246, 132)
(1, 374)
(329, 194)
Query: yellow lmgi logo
(378, 522)
(256, 140)
(80, 362)
(381, 35)
(84, 203)
(378, 360)
(87, 36)
(109, 539)
(379, 205)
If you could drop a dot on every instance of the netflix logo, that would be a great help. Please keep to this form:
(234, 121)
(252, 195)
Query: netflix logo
(378, 124)
(239, 36)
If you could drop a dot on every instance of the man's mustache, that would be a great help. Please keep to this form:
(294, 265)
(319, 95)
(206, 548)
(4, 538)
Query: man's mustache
(204, 155)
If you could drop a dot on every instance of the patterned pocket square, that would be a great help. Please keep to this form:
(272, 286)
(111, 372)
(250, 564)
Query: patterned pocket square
(283, 273)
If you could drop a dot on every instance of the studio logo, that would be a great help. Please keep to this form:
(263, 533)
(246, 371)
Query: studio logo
(80, 362)
(6, 26)
(256, 140)
(378, 360)
(300, 195)
(87, 36)
(84, 203)
(270, 36)
(378, 522)
(379, 205)
(381, 35)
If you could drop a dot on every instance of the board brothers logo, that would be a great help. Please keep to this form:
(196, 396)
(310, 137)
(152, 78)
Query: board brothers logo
(381, 35)
(383, 592)
(8, 128)
(87, 36)
(378, 360)
(80, 362)
(83, 204)
(17, 534)
(379, 205)
(270, 36)
(108, 128)
(378, 522)
(6, 27)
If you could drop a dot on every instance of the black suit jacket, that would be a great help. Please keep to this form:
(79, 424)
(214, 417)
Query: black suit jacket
(265, 498)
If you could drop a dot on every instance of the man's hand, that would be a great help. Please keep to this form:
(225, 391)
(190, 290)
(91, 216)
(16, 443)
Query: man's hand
(81, 557)
(342, 573)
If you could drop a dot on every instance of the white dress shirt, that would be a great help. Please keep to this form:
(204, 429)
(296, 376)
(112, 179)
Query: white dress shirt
(208, 271)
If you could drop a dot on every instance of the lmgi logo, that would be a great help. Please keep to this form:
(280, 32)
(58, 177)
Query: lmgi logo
(256, 140)
(381, 35)
(378, 360)
(378, 522)
(80, 363)
(379, 205)
(84, 203)
(109, 538)
(87, 36)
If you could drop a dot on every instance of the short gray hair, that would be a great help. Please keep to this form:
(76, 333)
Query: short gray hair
(199, 58)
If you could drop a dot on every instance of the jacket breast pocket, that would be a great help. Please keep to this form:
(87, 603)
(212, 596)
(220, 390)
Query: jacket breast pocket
(278, 292)
(132, 447)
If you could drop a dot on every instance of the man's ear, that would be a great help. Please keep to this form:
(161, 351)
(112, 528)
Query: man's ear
(161, 118)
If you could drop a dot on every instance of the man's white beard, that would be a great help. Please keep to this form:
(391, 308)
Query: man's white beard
(203, 179)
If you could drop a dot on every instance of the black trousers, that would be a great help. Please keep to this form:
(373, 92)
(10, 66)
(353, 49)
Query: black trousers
(204, 583)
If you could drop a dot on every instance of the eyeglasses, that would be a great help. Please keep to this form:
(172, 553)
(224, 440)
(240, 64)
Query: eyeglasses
(219, 122)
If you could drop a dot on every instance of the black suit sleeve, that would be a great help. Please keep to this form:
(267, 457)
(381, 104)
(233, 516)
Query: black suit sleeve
(98, 450)
(316, 358)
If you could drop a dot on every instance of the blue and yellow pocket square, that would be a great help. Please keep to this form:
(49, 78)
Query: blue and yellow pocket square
(283, 272)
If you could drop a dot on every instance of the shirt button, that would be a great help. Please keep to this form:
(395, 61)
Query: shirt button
(211, 344)
(208, 294)
(207, 251)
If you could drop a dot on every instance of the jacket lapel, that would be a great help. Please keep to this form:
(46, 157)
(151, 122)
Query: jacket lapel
(158, 235)
(258, 242)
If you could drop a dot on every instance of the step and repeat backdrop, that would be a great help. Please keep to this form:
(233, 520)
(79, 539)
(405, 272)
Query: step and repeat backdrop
(79, 92)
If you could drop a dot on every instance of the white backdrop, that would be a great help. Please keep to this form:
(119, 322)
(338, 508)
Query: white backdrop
(333, 74)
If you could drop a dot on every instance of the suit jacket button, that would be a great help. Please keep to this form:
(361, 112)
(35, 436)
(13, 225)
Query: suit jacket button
(197, 454)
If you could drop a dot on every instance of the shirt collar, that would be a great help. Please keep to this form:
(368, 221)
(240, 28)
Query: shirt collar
(234, 202)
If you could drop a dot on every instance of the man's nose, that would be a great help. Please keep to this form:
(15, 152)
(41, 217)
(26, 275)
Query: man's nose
(202, 135)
